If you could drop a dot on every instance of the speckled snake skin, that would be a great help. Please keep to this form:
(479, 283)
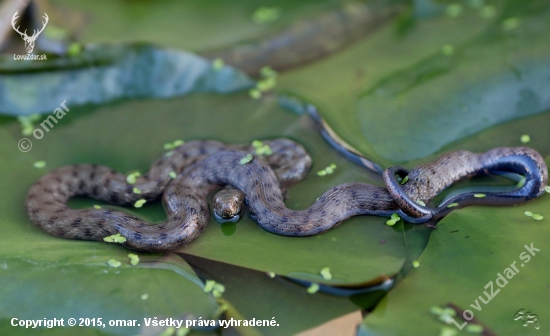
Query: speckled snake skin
(203, 166)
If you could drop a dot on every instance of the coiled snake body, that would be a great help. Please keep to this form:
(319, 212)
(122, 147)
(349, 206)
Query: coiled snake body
(204, 166)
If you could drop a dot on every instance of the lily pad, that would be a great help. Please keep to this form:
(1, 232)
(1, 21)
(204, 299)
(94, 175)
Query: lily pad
(48, 290)
(349, 243)
(463, 91)
(245, 285)
(102, 73)
(399, 98)
(467, 250)
(464, 257)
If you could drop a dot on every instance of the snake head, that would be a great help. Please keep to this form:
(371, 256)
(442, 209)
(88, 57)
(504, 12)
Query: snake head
(228, 203)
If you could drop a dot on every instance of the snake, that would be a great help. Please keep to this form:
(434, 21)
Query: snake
(310, 38)
(202, 167)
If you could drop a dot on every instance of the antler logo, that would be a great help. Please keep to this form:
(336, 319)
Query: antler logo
(29, 40)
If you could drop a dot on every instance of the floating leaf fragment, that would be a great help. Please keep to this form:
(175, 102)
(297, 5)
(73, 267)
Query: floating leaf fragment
(39, 164)
(448, 331)
(537, 217)
(452, 205)
(266, 14)
(255, 94)
(114, 263)
(134, 259)
(139, 203)
(328, 170)
(116, 238)
(313, 288)
(246, 159)
(474, 328)
(416, 263)
(218, 64)
(266, 84)
(325, 273)
(209, 286)
(97, 207)
(218, 290)
(479, 195)
(131, 178)
(26, 123)
(391, 222)
(136, 191)
(267, 72)
(394, 219)
(172, 175)
(264, 150)
(74, 49)
(173, 145)
(525, 138)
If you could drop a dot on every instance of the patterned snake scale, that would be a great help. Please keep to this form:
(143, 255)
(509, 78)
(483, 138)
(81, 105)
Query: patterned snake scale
(203, 167)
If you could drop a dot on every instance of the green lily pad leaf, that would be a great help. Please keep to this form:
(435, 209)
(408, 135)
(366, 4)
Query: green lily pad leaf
(228, 22)
(465, 260)
(102, 73)
(83, 292)
(349, 243)
(424, 99)
(243, 285)
(468, 249)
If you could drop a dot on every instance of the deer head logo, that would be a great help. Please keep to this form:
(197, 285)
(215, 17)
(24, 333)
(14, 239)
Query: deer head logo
(29, 40)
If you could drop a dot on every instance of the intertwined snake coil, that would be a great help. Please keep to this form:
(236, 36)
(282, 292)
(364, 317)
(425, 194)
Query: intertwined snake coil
(204, 166)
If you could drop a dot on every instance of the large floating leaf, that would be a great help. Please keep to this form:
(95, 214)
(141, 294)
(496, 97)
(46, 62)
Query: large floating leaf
(34, 290)
(269, 295)
(468, 250)
(102, 73)
(403, 97)
(181, 24)
(499, 76)
(361, 250)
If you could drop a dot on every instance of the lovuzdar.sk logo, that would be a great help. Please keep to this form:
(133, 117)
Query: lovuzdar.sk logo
(29, 40)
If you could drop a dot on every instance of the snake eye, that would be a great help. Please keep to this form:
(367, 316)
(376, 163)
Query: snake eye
(237, 199)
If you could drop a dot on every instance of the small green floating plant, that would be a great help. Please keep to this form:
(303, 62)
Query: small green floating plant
(327, 171)
(266, 83)
(116, 238)
(394, 219)
(215, 288)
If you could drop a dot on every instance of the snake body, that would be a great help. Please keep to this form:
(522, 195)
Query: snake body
(202, 167)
